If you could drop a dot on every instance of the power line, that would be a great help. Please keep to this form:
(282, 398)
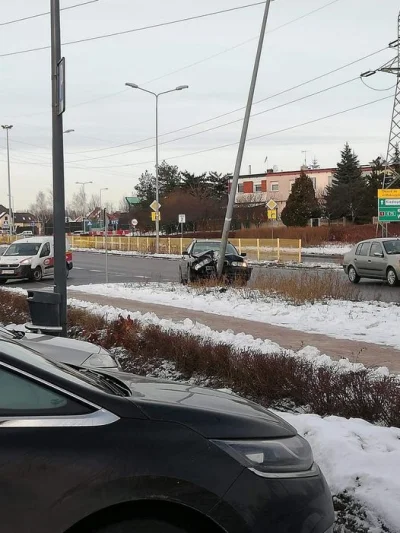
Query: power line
(298, 86)
(265, 134)
(181, 69)
(219, 126)
(135, 30)
(45, 13)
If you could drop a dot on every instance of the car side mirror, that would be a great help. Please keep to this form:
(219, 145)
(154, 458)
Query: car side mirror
(185, 252)
(378, 254)
(243, 255)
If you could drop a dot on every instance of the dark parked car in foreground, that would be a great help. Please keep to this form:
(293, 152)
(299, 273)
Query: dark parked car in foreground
(109, 452)
(374, 259)
(200, 260)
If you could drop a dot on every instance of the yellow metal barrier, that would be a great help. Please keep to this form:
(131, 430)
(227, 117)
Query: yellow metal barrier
(282, 250)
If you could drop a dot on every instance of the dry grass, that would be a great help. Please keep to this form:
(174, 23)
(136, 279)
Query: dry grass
(270, 380)
(296, 286)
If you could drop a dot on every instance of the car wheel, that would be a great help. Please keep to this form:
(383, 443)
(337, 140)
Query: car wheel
(37, 274)
(391, 277)
(353, 276)
(142, 526)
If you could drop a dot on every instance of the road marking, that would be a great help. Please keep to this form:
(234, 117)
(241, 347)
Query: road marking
(96, 271)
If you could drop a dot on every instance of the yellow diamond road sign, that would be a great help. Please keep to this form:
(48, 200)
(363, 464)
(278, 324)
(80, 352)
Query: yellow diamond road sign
(271, 204)
(154, 205)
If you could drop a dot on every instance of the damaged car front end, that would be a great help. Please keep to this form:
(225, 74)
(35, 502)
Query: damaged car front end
(201, 259)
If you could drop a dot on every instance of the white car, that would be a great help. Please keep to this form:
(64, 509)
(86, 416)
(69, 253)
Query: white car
(32, 259)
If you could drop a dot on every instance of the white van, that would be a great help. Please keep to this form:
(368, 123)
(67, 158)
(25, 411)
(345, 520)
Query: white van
(32, 259)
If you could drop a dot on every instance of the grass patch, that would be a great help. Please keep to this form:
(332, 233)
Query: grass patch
(295, 286)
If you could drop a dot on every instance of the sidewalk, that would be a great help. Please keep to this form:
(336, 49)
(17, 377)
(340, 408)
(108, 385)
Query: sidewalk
(361, 352)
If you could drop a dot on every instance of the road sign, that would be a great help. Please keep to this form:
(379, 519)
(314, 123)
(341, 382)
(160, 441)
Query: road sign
(389, 214)
(272, 214)
(389, 205)
(134, 222)
(61, 86)
(154, 216)
(389, 193)
(272, 205)
(155, 206)
(182, 219)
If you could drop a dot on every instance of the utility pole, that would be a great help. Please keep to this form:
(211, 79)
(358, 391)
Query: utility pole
(305, 152)
(10, 211)
(58, 106)
(391, 173)
(242, 143)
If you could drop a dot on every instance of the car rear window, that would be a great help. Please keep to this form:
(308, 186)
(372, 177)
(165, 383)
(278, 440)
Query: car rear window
(363, 248)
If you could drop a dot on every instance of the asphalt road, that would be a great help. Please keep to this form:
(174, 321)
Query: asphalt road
(90, 268)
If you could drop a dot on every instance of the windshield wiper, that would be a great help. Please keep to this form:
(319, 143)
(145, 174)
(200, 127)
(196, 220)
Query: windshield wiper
(111, 384)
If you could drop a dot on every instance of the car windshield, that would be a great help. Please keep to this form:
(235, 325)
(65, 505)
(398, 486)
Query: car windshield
(201, 247)
(23, 248)
(90, 378)
(392, 247)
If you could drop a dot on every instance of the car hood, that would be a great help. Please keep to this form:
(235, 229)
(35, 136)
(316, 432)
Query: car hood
(69, 351)
(212, 413)
(9, 259)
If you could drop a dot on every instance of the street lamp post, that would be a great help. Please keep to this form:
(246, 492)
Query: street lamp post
(83, 183)
(11, 214)
(101, 210)
(157, 96)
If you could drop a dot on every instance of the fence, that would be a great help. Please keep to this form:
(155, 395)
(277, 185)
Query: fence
(282, 250)
(256, 249)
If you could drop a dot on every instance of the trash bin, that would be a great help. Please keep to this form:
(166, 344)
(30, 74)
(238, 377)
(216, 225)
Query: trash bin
(44, 308)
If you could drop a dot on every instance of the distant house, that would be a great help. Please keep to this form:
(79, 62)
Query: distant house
(26, 221)
(4, 218)
(132, 201)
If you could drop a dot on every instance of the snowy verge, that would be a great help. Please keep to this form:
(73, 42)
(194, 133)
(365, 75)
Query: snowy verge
(327, 249)
(372, 322)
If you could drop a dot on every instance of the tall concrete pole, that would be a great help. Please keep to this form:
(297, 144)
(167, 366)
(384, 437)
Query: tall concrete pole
(10, 210)
(60, 274)
(239, 159)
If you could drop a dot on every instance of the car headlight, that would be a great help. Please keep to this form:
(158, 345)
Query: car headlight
(239, 264)
(100, 360)
(284, 457)
(26, 262)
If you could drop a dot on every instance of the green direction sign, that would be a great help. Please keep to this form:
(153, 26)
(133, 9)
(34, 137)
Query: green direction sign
(389, 209)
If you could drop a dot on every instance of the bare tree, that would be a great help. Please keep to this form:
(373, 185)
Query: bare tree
(42, 209)
(123, 206)
(79, 201)
(94, 201)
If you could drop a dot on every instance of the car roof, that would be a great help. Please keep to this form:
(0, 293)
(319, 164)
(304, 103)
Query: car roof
(381, 239)
(33, 239)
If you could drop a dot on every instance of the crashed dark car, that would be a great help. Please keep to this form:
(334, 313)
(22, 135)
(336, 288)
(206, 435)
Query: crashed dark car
(201, 258)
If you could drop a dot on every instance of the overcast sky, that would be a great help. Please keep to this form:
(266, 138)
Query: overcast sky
(105, 114)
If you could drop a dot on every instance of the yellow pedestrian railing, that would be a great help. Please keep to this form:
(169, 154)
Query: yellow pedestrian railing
(282, 250)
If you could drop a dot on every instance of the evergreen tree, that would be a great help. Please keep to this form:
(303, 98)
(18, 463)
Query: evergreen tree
(146, 188)
(169, 178)
(301, 204)
(195, 185)
(346, 195)
(218, 184)
(374, 181)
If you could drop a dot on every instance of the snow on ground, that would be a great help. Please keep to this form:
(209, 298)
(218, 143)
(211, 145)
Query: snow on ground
(328, 249)
(359, 458)
(372, 322)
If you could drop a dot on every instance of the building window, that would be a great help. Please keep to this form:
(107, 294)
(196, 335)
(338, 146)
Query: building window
(240, 187)
(274, 186)
(314, 181)
(330, 180)
(258, 188)
(291, 183)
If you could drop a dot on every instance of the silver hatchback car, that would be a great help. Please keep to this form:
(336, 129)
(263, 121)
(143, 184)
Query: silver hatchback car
(374, 259)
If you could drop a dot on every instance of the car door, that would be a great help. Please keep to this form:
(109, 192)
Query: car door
(377, 261)
(44, 435)
(47, 260)
(185, 263)
(361, 258)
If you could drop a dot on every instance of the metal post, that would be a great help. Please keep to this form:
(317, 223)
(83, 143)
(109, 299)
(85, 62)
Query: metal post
(10, 207)
(106, 243)
(11, 214)
(60, 278)
(235, 179)
(157, 186)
